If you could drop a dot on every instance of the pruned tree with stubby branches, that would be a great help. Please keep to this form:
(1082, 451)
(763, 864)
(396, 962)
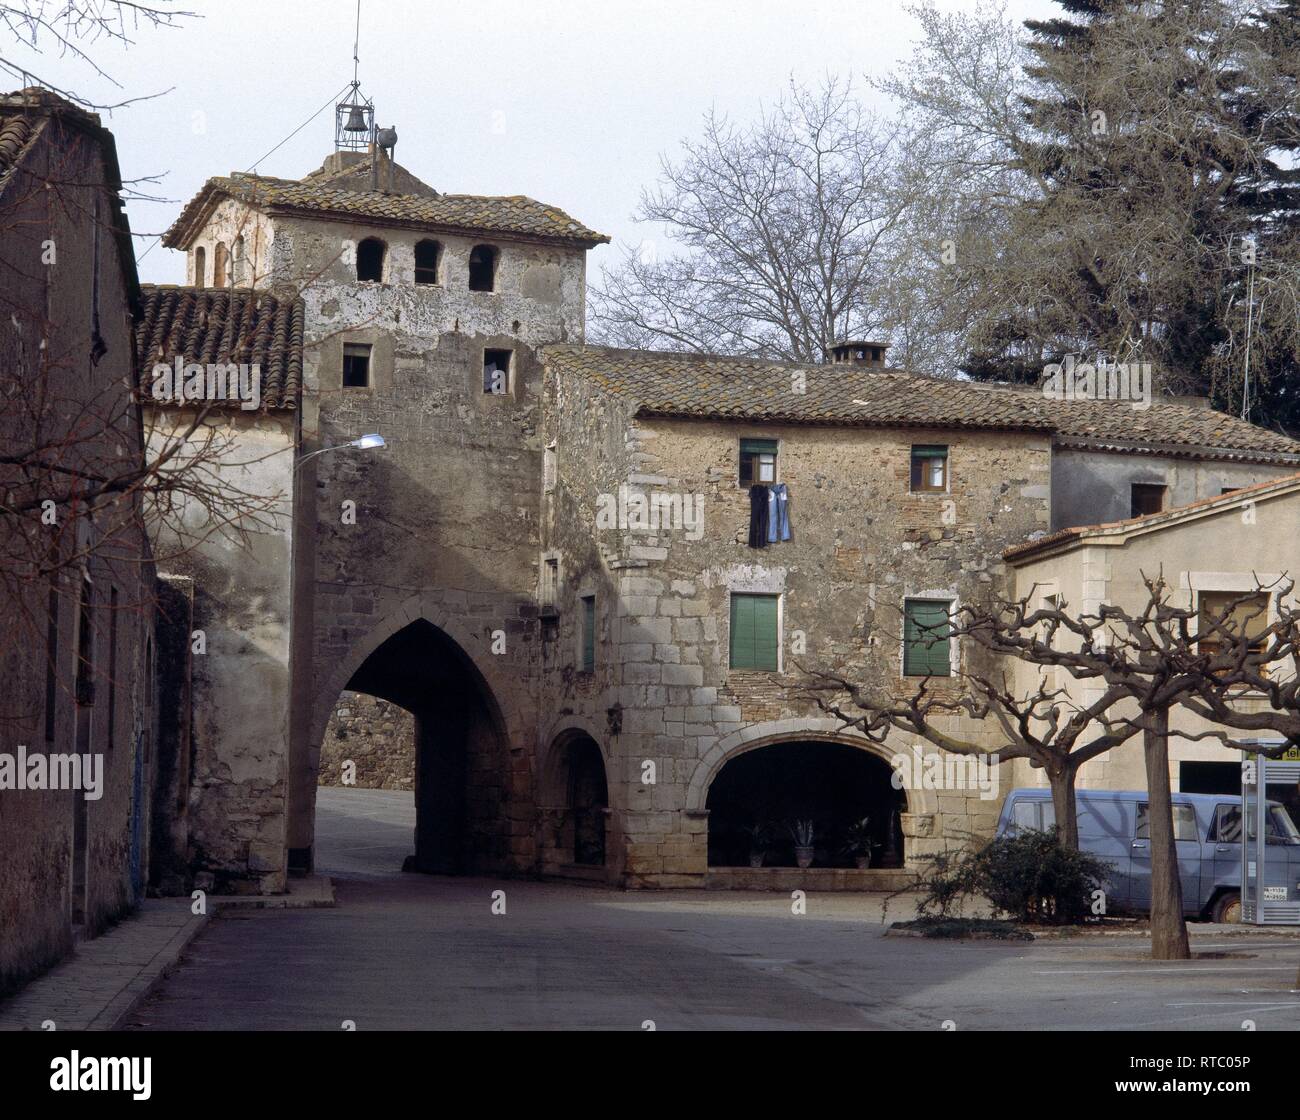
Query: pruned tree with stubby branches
(1142, 666)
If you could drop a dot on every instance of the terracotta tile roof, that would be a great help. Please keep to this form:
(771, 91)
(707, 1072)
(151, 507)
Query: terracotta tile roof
(16, 132)
(224, 325)
(1164, 424)
(710, 386)
(1175, 514)
(514, 215)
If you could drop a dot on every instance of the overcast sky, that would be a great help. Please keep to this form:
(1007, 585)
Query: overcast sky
(568, 101)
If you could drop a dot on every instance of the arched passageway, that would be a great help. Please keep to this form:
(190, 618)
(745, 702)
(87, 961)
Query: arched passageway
(588, 801)
(758, 797)
(576, 794)
(462, 767)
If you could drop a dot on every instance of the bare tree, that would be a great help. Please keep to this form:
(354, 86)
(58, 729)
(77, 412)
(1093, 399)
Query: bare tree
(71, 28)
(787, 236)
(1144, 665)
(1131, 170)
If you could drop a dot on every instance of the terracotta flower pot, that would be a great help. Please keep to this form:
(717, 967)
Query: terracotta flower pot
(803, 856)
(756, 859)
(862, 862)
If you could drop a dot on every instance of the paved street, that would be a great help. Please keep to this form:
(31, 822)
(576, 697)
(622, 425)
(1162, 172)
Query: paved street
(410, 951)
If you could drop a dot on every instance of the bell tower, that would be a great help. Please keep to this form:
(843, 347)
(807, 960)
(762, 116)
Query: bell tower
(354, 121)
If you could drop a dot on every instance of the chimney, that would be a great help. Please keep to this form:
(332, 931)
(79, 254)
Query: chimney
(859, 352)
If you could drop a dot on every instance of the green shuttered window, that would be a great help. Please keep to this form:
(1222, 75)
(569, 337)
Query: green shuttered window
(926, 642)
(588, 633)
(754, 631)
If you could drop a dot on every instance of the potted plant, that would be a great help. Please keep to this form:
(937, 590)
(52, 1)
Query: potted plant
(760, 839)
(802, 833)
(858, 842)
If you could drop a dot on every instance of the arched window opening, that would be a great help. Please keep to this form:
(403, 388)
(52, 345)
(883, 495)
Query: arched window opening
(219, 265)
(370, 260)
(200, 267)
(237, 276)
(482, 268)
(427, 254)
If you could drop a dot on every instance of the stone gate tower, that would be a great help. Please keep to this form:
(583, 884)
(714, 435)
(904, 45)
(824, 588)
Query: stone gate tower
(413, 570)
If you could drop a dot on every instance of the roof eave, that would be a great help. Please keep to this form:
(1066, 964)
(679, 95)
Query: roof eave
(182, 233)
(1174, 450)
(389, 222)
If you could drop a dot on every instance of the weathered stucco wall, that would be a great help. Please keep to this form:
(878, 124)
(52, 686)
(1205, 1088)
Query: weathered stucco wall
(1233, 548)
(239, 662)
(1092, 487)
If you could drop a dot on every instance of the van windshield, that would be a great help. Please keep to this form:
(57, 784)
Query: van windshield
(1279, 827)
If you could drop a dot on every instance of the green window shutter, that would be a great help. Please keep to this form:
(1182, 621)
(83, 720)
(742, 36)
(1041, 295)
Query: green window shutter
(758, 447)
(754, 632)
(925, 638)
(589, 633)
(929, 451)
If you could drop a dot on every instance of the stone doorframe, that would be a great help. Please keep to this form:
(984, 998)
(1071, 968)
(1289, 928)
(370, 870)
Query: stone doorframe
(551, 793)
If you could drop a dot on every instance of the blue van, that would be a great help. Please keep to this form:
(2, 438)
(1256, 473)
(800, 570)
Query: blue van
(1207, 833)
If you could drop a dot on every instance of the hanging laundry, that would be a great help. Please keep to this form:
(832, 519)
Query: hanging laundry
(758, 517)
(778, 525)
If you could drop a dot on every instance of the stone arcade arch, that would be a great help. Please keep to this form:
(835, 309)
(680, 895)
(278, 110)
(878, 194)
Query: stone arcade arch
(471, 788)
(845, 793)
(921, 803)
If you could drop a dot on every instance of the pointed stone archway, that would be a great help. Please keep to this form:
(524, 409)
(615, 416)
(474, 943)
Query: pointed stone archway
(473, 784)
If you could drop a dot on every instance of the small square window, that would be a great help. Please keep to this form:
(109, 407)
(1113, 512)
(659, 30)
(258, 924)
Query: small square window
(757, 462)
(356, 365)
(929, 468)
(1236, 613)
(1145, 499)
(496, 371)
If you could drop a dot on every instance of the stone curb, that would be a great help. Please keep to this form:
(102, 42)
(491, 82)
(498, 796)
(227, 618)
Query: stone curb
(314, 891)
(148, 978)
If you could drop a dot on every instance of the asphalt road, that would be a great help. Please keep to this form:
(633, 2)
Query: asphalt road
(421, 952)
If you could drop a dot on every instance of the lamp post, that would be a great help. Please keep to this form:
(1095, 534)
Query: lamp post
(362, 443)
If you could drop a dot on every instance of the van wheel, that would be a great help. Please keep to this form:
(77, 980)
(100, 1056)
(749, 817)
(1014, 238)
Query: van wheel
(1227, 908)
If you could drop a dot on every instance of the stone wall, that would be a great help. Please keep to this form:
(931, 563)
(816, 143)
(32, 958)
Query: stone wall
(862, 543)
(376, 736)
(447, 516)
(49, 200)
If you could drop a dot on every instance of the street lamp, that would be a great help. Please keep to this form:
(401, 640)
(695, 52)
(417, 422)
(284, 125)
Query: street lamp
(362, 443)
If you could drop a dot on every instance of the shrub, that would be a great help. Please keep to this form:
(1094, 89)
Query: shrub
(1034, 877)
(1030, 876)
